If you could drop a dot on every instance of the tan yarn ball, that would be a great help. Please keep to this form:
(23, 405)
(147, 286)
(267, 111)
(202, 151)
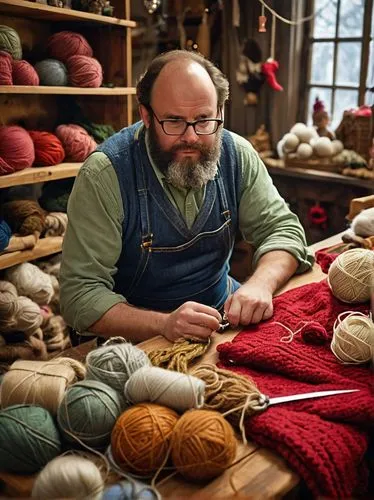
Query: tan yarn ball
(141, 437)
(31, 281)
(353, 339)
(351, 275)
(203, 445)
(8, 296)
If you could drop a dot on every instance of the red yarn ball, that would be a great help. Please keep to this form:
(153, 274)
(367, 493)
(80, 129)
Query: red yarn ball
(84, 71)
(76, 142)
(65, 44)
(16, 148)
(24, 73)
(48, 148)
(5, 68)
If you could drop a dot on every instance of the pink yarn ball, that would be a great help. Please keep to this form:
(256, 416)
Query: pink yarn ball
(77, 143)
(5, 68)
(84, 71)
(16, 149)
(24, 73)
(65, 44)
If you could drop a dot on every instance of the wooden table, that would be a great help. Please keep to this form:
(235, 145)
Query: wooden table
(257, 473)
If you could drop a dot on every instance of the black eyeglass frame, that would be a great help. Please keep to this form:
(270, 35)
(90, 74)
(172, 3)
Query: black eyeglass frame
(193, 124)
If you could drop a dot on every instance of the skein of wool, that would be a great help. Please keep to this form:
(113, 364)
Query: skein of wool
(10, 41)
(25, 217)
(65, 44)
(48, 148)
(6, 77)
(34, 349)
(5, 234)
(56, 224)
(179, 355)
(129, 490)
(55, 333)
(31, 282)
(114, 362)
(69, 476)
(88, 413)
(84, 71)
(351, 275)
(141, 437)
(24, 73)
(52, 72)
(16, 149)
(353, 338)
(203, 445)
(165, 387)
(76, 142)
(40, 383)
(29, 439)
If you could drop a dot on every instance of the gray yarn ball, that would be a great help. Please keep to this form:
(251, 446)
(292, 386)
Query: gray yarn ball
(10, 41)
(52, 72)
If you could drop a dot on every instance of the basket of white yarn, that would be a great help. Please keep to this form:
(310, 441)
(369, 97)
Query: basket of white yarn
(351, 275)
(31, 282)
(353, 338)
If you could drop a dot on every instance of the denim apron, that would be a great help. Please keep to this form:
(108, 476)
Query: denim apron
(164, 263)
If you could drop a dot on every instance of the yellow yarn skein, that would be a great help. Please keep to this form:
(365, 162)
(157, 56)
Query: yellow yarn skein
(353, 339)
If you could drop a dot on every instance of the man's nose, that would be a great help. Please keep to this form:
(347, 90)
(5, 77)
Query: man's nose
(190, 136)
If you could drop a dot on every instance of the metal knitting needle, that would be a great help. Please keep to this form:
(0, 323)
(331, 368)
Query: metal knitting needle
(266, 401)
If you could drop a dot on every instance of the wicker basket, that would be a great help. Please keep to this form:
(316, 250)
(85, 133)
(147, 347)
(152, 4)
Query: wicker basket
(355, 133)
(314, 163)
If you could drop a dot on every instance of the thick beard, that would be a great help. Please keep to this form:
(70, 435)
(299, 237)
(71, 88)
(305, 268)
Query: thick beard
(186, 173)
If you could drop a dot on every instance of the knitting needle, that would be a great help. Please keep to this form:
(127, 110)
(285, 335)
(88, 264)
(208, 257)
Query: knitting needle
(266, 401)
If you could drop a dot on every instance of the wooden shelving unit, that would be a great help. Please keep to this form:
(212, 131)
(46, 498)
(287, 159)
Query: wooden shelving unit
(40, 174)
(44, 247)
(40, 90)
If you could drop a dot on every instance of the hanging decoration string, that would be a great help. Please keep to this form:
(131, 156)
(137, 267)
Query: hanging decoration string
(298, 21)
(272, 41)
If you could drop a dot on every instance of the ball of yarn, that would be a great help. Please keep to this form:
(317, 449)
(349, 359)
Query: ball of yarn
(323, 147)
(6, 77)
(52, 72)
(24, 73)
(10, 41)
(88, 413)
(304, 151)
(337, 146)
(56, 224)
(129, 490)
(76, 142)
(16, 147)
(8, 296)
(5, 234)
(175, 390)
(203, 445)
(353, 339)
(69, 476)
(351, 275)
(290, 142)
(363, 223)
(48, 148)
(24, 216)
(31, 282)
(113, 364)
(29, 439)
(141, 437)
(55, 195)
(64, 44)
(84, 71)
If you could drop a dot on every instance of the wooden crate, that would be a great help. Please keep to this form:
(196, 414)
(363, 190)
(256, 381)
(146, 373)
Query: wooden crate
(314, 163)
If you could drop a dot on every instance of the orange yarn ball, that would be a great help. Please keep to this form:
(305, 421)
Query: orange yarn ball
(141, 436)
(48, 148)
(203, 445)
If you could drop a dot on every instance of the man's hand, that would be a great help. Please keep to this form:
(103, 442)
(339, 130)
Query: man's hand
(251, 303)
(191, 320)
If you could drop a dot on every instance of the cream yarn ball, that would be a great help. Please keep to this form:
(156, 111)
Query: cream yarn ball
(363, 223)
(351, 275)
(290, 142)
(337, 146)
(304, 151)
(31, 281)
(353, 339)
(69, 476)
(323, 147)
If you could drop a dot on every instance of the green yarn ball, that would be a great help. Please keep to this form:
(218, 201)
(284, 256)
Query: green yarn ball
(10, 41)
(88, 413)
(29, 439)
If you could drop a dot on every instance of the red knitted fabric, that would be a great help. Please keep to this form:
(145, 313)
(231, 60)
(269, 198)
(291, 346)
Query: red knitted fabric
(324, 439)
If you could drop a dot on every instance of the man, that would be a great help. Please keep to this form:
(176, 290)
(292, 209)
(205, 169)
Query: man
(154, 213)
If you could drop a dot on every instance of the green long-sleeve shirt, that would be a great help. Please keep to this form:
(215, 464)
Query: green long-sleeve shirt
(93, 240)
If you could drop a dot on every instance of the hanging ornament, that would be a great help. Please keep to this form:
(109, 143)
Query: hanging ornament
(271, 66)
(151, 5)
(317, 215)
(262, 21)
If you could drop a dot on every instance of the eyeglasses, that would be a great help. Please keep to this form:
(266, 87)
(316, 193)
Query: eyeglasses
(175, 126)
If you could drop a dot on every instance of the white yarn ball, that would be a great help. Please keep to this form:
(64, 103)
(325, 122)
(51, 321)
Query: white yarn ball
(363, 223)
(290, 142)
(31, 281)
(305, 135)
(298, 128)
(323, 147)
(304, 151)
(280, 151)
(337, 146)
(69, 476)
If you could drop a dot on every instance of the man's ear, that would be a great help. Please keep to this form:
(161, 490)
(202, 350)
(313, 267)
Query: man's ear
(145, 115)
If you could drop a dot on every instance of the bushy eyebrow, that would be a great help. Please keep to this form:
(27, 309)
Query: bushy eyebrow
(202, 116)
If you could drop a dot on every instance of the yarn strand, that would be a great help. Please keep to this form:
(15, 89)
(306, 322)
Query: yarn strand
(179, 355)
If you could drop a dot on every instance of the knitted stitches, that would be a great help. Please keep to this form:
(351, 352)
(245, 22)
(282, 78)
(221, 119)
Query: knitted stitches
(317, 437)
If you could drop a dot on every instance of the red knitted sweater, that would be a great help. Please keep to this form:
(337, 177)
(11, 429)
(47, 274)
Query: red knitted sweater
(324, 440)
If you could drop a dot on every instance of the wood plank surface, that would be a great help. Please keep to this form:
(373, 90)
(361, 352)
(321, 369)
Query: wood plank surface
(55, 90)
(44, 247)
(40, 174)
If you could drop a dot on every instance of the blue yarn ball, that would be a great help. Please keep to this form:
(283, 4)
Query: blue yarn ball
(52, 72)
(129, 490)
(29, 439)
(5, 234)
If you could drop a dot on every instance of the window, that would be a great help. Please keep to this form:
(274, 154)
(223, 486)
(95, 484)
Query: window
(341, 70)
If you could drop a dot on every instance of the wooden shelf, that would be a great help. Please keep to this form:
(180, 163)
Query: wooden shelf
(44, 89)
(46, 12)
(44, 247)
(40, 174)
